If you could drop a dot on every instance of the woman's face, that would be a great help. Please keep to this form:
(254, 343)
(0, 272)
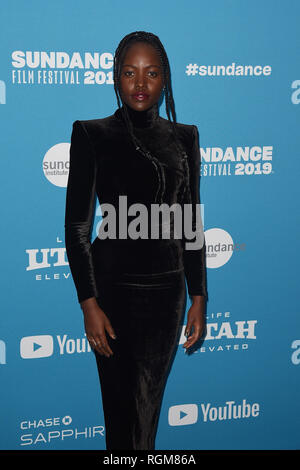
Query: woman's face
(141, 80)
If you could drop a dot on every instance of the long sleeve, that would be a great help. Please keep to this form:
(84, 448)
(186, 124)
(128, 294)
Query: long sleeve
(79, 212)
(195, 259)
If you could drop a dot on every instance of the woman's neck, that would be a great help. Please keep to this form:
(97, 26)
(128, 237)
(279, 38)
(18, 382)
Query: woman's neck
(141, 119)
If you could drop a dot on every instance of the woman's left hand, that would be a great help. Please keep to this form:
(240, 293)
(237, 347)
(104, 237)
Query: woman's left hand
(196, 319)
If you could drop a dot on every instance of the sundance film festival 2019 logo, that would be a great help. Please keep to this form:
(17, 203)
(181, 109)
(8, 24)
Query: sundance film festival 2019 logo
(61, 68)
(240, 161)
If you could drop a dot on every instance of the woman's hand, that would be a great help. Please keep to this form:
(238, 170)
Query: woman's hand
(196, 319)
(95, 323)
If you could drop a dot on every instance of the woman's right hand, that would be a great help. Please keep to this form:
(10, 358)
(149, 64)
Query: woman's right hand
(95, 323)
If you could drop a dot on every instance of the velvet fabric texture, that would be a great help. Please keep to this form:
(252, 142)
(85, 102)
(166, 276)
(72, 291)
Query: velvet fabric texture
(140, 284)
(147, 315)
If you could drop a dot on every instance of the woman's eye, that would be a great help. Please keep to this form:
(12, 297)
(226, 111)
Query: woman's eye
(130, 73)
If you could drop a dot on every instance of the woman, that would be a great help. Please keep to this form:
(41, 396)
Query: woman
(132, 290)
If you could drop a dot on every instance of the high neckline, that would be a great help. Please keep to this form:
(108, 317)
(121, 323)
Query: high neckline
(140, 119)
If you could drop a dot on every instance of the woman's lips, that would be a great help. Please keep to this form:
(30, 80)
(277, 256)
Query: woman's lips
(140, 96)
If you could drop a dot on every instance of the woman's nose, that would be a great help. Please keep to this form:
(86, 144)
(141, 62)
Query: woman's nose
(140, 80)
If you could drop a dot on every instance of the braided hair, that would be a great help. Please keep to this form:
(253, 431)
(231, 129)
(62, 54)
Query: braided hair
(153, 40)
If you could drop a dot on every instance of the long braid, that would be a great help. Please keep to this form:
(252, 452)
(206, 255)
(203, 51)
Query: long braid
(153, 40)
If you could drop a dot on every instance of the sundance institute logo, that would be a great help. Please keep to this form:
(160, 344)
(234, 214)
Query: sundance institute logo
(177, 221)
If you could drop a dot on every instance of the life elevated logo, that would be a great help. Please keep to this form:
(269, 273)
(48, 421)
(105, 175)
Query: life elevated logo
(61, 68)
(182, 415)
(222, 334)
(41, 431)
(239, 161)
(47, 263)
(41, 346)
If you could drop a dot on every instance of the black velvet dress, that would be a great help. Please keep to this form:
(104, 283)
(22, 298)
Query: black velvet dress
(139, 283)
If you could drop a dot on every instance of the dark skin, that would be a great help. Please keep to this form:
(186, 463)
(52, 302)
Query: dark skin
(141, 72)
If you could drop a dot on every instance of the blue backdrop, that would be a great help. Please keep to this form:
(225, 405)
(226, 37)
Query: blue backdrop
(236, 75)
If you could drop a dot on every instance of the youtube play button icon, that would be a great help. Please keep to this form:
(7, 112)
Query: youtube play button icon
(33, 347)
(181, 415)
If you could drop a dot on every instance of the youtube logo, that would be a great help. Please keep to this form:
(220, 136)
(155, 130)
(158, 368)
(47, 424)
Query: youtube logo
(32, 347)
(180, 415)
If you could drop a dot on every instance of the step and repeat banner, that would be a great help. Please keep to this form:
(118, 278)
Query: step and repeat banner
(236, 75)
